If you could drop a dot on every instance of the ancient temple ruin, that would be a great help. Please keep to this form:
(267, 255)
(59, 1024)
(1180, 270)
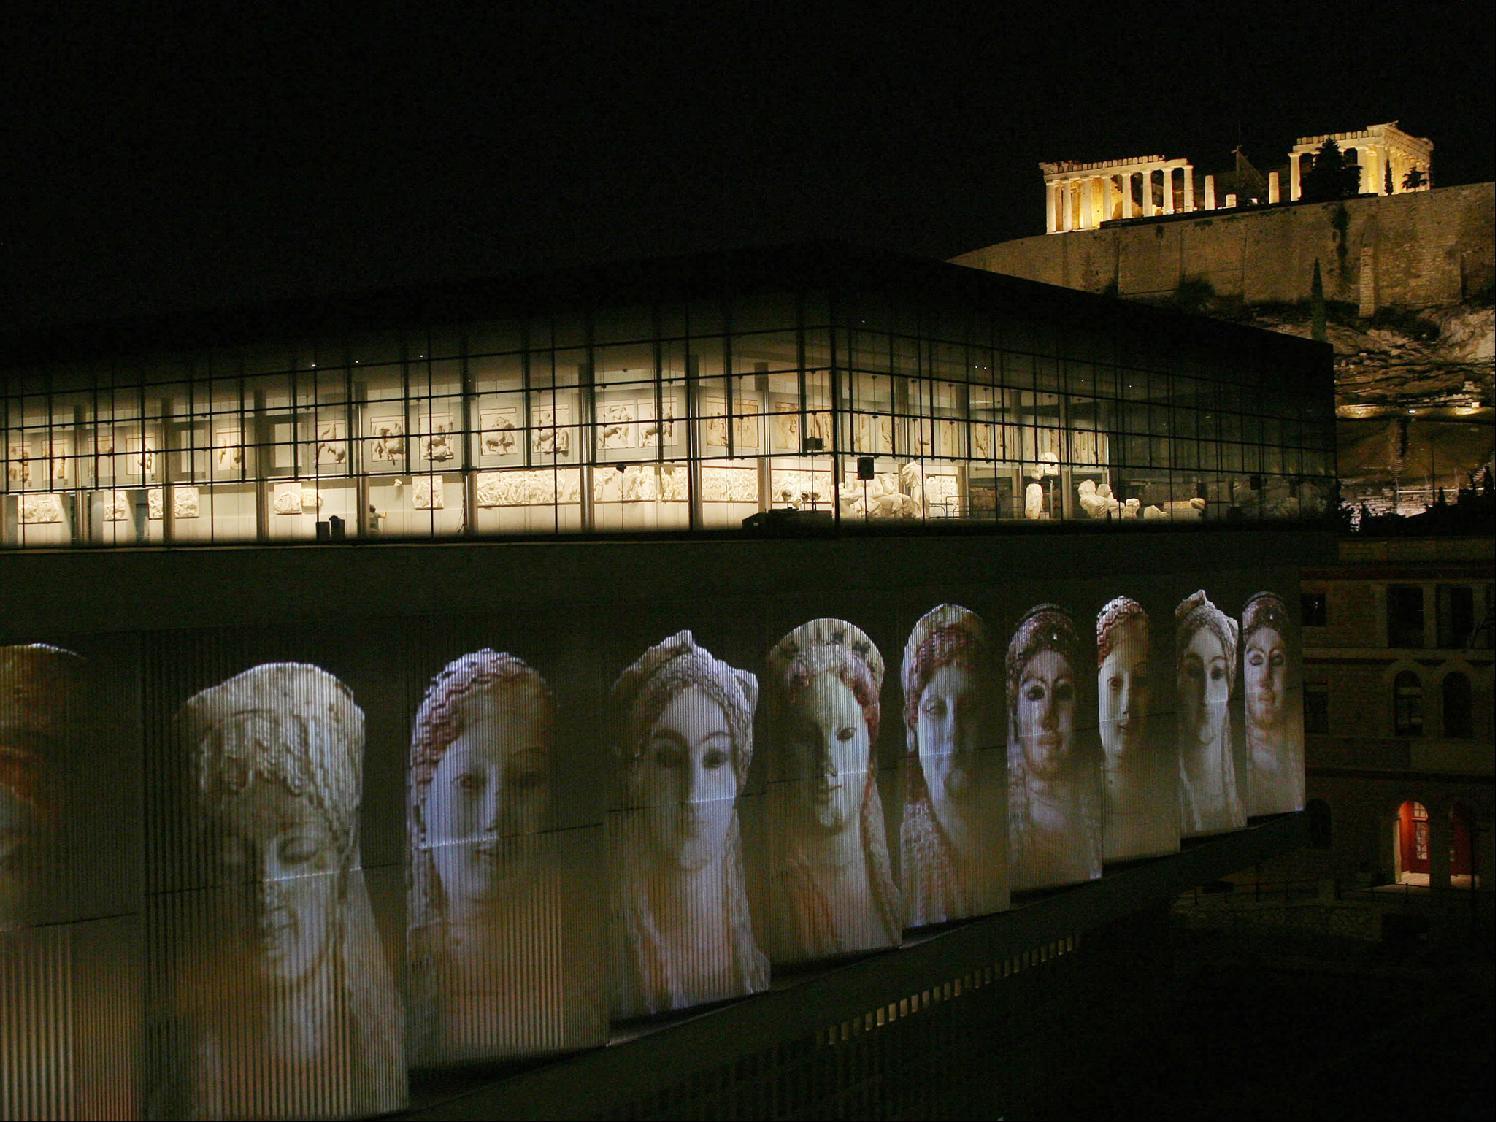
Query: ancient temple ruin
(1081, 195)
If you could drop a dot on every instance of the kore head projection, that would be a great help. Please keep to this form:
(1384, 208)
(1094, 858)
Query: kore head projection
(497, 921)
(682, 728)
(1275, 735)
(832, 890)
(276, 761)
(1053, 774)
(1142, 802)
(39, 729)
(953, 858)
(1205, 650)
(479, 771)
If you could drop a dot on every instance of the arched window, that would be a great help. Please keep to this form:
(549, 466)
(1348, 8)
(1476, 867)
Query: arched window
(1457, 707)
(1407, 704)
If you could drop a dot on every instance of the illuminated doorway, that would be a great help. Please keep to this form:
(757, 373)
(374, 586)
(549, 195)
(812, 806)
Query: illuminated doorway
(1412, 843)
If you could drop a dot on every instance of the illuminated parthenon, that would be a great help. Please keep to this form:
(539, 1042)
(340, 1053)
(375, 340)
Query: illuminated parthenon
(1081, 195)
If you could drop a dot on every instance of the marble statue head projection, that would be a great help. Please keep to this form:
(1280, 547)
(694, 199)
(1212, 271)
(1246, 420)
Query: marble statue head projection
(954, 831)
(681, 725)
(1275, 728)
(496, 965)
(1142, 804)
(831, 889)
(1054, 771)
(1205, 651)
(40, 724)
(284, 1004)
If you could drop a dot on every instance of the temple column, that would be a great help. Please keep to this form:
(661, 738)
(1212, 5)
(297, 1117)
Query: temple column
(1064, 187)
(1126, 178)
(1293, 177)
(1210, 192)
(1148, 211)
(1168, 190)
(1189, 187)
(1273, 191)
(1098, 201)
(1051, 208)
(1083, 188)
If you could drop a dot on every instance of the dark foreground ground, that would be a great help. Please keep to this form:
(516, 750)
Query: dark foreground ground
(1276, 1024)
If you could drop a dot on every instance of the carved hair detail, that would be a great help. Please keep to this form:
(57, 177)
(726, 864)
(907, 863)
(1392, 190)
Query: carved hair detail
(1196, 611)
(1117, 614)
(643, 690)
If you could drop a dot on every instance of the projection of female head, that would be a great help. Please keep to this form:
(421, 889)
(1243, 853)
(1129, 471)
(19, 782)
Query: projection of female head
(1046, 715)
(480, 759)
(683, 738)
(685, 781)
(1206, 651)
(1122, 680)
(1265, 663)
(39, 687)
(831, 884)
(1204, 686)
(277, 772)
(953, 834)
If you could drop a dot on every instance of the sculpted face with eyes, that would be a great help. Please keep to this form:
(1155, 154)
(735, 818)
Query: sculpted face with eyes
(685, 780)
(825, 743)
(1205, 686)
(1046, 714)
(279, 849)
(492, 781)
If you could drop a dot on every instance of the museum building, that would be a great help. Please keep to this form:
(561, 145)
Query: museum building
(674, 395)
(394, 823)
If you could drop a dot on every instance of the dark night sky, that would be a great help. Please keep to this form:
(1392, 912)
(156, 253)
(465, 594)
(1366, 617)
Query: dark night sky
(155, 163)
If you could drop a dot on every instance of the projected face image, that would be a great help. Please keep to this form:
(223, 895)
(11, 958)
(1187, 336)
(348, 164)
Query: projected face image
(1122, 681)
(1046, 714)
(1204, 686)
(1265, 672)
(950, 726)
(491, 783)
(278, 847)
(686, 781)
(826, 741)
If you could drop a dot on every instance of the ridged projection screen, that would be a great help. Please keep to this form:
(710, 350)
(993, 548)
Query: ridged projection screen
(271, 872)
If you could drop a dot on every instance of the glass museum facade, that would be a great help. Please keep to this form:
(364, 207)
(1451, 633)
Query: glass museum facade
(678, 395)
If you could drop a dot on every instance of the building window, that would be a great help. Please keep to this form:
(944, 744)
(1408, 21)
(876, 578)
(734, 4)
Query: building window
(1314, 608)
(1404, 615)
(1407, 704)
(1457, 707)
(1316, 708)
(1455, 606)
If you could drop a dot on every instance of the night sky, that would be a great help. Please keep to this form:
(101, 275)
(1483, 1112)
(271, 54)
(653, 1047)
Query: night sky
(216, 156)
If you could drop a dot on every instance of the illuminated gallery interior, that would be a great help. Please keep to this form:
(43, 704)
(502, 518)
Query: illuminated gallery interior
(284, 826)
(659, 397)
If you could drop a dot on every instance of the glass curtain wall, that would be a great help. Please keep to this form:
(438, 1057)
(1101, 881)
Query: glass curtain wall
(663, 417)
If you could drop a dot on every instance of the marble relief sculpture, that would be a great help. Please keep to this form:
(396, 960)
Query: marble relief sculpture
(1142, 771)
(41, 509)
(504, 930)
(681, 725)
(1275, 728)
(831, 888)
(280, 1000)
(529, 487)
(428, 493)
(1205, 651)
(954, 837)
(500, 436)
(1054, 773)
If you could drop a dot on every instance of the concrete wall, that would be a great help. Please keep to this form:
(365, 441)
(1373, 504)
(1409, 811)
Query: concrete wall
(1421, 249)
